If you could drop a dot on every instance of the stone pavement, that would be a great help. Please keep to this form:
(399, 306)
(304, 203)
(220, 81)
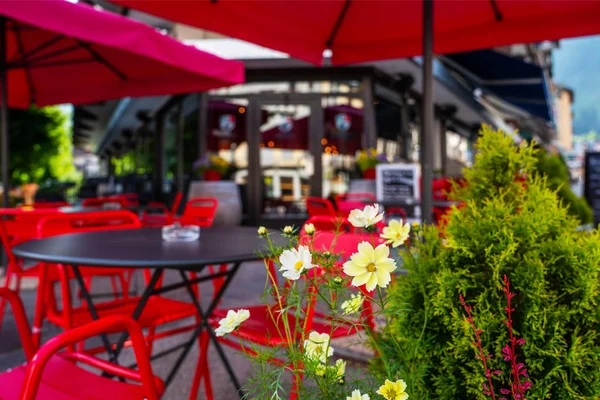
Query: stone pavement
(245, 290)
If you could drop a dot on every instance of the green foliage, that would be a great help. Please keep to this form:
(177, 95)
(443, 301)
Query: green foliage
(508, 226)
(40, 146)
(555, 170)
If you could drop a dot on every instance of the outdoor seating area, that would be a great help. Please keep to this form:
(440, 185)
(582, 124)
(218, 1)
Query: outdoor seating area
(296, 200)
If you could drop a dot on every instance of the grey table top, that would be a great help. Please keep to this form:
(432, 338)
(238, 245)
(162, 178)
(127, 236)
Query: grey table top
(145, 248)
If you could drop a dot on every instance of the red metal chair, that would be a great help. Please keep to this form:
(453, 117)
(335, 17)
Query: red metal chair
(51, 375)
(58, 224)
(123, 200)
(158, 311)
(199, 211)
(265, 326)
(350, 201)
(18, 226)
(316, 206)
(49, 204)
(327, 223)
(156, 214)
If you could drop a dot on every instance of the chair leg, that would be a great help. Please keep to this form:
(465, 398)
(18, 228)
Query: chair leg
(294, 391)
(115, 289)
(40, 308)
(150, 338)
(7, 279)
(202, 370)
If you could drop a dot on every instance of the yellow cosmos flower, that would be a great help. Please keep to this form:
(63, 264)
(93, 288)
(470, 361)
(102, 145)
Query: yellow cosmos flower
(396, 233)
(393, 390)
(262, 231)
(288, 229)
(356, 395)
(353, 304)
(309, 229)
(370, 266)
(317, 346)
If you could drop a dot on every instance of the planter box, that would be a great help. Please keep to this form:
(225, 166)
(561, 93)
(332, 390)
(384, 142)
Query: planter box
(229, 212)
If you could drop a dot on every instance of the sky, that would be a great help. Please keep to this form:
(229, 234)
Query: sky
(576, 65)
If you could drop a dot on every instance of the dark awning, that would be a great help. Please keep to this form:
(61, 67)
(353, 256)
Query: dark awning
(511, 79)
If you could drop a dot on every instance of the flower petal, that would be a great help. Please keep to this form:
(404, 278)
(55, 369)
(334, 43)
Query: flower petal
(372, 282)
(360, 280)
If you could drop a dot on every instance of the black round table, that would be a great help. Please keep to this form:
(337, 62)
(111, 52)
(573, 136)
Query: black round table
(144, 248)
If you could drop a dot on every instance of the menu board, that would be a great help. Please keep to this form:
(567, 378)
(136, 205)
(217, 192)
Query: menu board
(592, 182)
(398, 182)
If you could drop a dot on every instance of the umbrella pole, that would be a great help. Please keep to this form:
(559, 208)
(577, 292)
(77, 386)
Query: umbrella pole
(427, 115)
(4, 113)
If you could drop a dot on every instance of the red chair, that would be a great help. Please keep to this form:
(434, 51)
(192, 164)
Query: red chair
(265, 326)
(50, 204)
(199, 211)
(350, 201)
(327, 223)
(51, 375)
(18, 226)
(316, 206)
(158, 311)
(123, 201)
(156, 214)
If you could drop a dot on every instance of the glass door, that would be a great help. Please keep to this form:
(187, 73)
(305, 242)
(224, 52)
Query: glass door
(286, 164)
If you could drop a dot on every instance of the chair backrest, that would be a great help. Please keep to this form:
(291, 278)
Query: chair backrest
(327, 223)
(59, 224)
(345, 244)
(318, 206)
(123, 200)
(152, 387)
(199, 211)
(350, 201)
(18, 225)
(50, 204)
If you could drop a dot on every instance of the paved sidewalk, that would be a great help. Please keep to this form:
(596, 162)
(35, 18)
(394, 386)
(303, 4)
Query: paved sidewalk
(245, 289)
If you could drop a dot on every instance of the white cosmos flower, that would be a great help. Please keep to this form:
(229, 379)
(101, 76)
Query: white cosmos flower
(396, 233)
(370, 266)
(356, 395)
(365, 218)
(295, 261)
(232, 321)
(353, 304)
(317, 346)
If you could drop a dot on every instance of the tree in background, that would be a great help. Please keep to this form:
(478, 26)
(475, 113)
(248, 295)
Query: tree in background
(41, 148)
(553, 167)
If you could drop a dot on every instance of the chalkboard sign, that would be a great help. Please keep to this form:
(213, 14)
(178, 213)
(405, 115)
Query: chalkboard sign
(398, 182)
(592, 182)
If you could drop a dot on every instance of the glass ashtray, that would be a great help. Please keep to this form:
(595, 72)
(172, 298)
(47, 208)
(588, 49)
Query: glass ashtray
(178, 233)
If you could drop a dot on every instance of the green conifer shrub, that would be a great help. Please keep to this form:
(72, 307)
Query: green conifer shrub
(512, 223)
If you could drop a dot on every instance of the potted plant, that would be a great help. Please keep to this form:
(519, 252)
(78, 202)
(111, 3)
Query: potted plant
(211, 167)
(367, 160)
(217, 182)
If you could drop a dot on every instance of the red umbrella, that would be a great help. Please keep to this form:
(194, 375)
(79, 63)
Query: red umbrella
(366, 30)
(53, 52)
(361, 30)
